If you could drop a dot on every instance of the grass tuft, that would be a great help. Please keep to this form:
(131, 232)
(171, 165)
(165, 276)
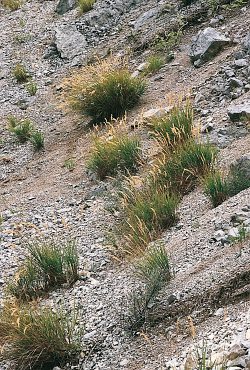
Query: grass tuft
(174, 128)
(154, 265)
(37, 338)
(47, 266)
(20, 73)
(220, 188)
(104, 90)
(37, 140)
(85, 6)
(188, 163)
(147, 212)
(113, 153)
(154, 64)
(22, 129)
(12, 4)
(31, 87)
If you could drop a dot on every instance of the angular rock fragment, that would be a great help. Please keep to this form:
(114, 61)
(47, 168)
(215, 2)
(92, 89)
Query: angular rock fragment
(207, 44)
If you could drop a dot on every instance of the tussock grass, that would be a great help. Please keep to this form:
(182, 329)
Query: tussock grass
(175, 128)
(47, 266)
(114, 152)
(37, 338)
(220, 188)
(85, 5)
(154, 269)
(215, 187)
(20, 73)
(154, 64)
(22, 129)
(104, 90)
(37, 140)
(11, 4)
(31, 87)
(154, 265)
(181, 171)
(147, 212)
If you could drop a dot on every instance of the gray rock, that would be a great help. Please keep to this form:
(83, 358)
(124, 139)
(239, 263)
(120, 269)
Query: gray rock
(236, 351)
(242, 165)
(207, 44)
(239, 63)
(246, 43)
(65, 5)
(69, 42)
(236, 112)
(150, 15)
(235, 82)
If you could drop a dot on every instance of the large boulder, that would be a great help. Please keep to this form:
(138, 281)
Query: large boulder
(239, 111)
(70, 42)
(64, 6)
(207, 44)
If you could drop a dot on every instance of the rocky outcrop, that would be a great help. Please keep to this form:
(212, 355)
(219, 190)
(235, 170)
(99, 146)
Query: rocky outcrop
(206, 45)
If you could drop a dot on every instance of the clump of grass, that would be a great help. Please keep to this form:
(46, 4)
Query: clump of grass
(187, 164)
(147, 212)
(85, 5)
(104, 90)
(12, 4)
(47, 266)
(22, 129)
(37, 140)
(37, 338)
(154, 64)
(216, 188)
(31, 87)
(69, 164)
(114, 152)
(20, 73)
(154, 268)
(174, 128)
(220, 188)
(154, 265)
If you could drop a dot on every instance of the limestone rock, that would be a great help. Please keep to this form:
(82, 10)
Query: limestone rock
(207, 44)
(69, 42)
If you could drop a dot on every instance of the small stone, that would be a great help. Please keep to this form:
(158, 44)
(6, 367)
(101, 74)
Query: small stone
(124, 362)
(155, 113)
(219, 312)
(248, 334)
(239, 63)
(235, 351)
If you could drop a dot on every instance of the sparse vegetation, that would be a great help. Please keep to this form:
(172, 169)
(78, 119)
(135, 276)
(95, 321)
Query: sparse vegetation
(37, 338)
(69, 164)
(154, 269)
(104, 90)
(174, 128)
(20, 73)
(188, 163)
(147, 212)
(47, 266)
(216, 188)
(220, 188)
(22, 129)
(85, 5)
(154, 64)
(115, 152)
(154, 264)
(37, 140)
(31, 87)
(12, 4)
